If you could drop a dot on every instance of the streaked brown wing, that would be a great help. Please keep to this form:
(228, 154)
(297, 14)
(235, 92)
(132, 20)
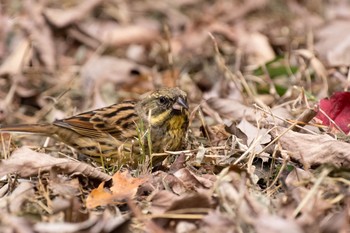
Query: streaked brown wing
(117, 120)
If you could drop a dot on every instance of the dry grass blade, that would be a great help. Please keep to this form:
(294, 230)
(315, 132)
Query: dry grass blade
(312, 191)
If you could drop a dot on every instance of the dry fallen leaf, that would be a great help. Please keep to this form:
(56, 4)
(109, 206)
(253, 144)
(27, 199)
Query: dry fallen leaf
(26, 162)
(276, 224)
(255, 135)
(62, 18)
(14, 63)
(107, 70)
(15, 201)
(313, 150)
(218, 223)
(185, 203)
(256, 47)
(334, 49)
(161, 179)
(124, 187)
(232, 109)
(96, 223)
(40, 34)
(161, 200)
(112, 34)
(192, 181)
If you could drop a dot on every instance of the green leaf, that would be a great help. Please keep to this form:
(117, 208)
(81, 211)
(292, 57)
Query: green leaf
(276, 68)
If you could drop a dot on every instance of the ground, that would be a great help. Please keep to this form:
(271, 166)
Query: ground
(266, 150)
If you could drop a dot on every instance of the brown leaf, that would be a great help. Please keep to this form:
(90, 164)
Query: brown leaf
(113, 34)
(40, 34)
(191, 181)
(336, 222)
(276, 224)
(19, 196)
(15, 224)
(334, 49)
(231, 109)
(102, 222)
(124, 187)
(27, 162)
(181, 181)
(216, 133)
(188, 201)
(14, 63)
(62, 18)
(161, 200)
(256, 47)
(122, 73)
(218, 222)
(64, 186)
(253, 132)
(313, 150)
(174, 184)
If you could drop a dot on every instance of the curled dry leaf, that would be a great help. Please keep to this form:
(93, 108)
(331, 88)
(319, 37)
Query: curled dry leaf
(276, 224)
(257, 48)
(27, 162)
(216, 133)
(218, 223)
(13, 223)
(17, 198)
(318, 67)
(297, 176)
(231, 109)
(40, 34)
(315, 63)
(191, 200)
(65, 186)
(191, 181)
(191, 42)
(185, 226)
(14, 63)
(113, 34)
(334, 49)
(254, 135)
(7, 24)
(58, 227)
(124, 187)
(62, 18)
(182, 181)
(161, 201)
(96, 223)
(336, 222)
(105, 70)
(313, 150)
(298, 183)
(185, 204)
(160, 178)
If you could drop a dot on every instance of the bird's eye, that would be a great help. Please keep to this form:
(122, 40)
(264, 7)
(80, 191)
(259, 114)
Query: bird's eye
(163, 100)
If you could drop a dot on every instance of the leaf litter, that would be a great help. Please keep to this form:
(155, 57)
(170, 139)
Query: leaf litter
(256, 158)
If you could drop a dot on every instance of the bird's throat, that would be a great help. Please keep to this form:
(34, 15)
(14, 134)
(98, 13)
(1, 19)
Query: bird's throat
(160, 118)
(168, 119)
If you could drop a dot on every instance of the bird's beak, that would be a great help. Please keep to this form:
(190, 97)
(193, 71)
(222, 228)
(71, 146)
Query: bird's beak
(180, 104)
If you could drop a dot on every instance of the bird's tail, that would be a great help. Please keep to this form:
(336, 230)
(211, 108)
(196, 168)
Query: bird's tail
(43, 129)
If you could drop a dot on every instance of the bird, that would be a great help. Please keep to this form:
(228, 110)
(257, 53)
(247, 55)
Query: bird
(156, 123)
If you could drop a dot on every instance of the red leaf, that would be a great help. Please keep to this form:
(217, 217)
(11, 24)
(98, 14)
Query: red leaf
(337, 108)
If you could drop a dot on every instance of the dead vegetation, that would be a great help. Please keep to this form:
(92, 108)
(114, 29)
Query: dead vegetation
(256, 159)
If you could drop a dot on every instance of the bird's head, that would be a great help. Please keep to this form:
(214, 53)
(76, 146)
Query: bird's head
(166, 105)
